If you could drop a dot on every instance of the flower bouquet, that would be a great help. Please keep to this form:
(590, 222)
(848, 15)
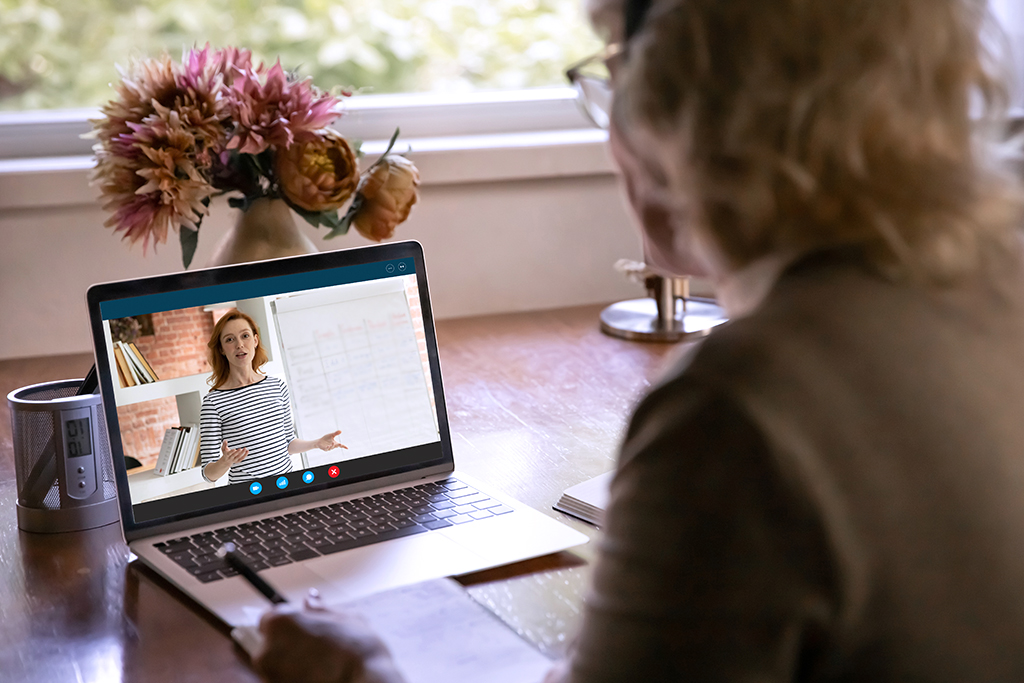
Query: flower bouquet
(178, 134)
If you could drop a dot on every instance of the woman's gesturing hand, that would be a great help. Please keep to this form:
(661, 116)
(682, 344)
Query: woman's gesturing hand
(324, 443)
(327, 442)
(232, 456)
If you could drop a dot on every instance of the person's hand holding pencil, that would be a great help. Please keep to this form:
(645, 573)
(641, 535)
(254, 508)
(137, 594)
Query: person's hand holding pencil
(315, 645)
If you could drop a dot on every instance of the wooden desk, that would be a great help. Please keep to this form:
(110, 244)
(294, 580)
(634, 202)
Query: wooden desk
(537, 402)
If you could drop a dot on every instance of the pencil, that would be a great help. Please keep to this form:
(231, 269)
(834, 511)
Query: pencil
(229, 552)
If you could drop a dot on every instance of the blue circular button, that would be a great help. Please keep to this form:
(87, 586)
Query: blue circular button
(255, 488)
(282, 482)
(307, 477)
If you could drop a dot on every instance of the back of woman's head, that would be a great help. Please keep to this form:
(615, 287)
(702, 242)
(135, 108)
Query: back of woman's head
(800, 124)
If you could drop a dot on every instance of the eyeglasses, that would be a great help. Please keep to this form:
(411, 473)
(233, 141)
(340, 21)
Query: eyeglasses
(592, 79)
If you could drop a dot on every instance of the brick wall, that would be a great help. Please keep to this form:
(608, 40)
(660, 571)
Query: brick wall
(177, 348)
(178, 345)
(143, 426)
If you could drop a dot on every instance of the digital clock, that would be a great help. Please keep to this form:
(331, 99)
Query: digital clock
(78, 437)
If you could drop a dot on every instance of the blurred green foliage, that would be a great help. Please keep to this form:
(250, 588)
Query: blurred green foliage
(62, 53)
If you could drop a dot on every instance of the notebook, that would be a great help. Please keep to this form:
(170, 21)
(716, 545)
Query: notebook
(350, 346)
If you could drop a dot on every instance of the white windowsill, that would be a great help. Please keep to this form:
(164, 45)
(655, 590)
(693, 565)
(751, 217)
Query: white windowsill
(50, 182)
(473, 138)
(483, 137)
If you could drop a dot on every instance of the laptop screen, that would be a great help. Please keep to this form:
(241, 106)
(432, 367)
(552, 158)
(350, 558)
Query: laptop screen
(241, 385)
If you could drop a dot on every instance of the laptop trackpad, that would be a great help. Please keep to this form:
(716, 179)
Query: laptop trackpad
(361, 571)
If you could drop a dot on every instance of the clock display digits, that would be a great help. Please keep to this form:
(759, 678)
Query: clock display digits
(78, 438)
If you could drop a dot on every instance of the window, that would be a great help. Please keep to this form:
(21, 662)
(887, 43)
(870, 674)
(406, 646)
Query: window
(440, 67)
(59, 54)
(1010, 14)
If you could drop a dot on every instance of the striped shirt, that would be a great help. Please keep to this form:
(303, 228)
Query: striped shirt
(257, 417)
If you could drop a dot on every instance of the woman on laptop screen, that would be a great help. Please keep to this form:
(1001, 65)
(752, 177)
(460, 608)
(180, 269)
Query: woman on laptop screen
(246, 426)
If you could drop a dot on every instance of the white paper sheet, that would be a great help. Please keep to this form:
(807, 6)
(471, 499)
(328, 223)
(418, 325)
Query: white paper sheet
(438, 634)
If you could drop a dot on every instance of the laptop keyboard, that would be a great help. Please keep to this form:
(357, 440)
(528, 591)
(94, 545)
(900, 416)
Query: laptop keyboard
(306, 534)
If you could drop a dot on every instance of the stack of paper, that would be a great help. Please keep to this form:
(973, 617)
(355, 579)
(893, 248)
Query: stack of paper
(587, 501)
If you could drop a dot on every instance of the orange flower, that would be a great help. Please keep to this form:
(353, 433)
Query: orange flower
(319, 175)
(389, 191)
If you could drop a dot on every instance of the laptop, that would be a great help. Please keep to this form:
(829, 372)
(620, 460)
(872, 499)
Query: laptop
(350, 346)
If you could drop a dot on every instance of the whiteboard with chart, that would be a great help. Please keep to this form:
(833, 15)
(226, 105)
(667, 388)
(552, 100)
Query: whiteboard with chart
(353, 362)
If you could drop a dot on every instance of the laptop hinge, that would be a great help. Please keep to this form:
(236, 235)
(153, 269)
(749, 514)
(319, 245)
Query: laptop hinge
(333, 493)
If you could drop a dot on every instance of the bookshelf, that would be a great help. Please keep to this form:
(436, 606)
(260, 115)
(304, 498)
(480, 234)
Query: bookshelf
(176, 386)
(188, 390)
(146, 486)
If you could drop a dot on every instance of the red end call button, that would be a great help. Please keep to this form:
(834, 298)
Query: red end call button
(333, 471)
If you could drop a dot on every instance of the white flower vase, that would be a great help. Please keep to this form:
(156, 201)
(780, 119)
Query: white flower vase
(266, 231)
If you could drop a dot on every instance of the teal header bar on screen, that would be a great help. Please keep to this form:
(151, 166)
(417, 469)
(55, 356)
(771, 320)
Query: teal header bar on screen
(252, 289)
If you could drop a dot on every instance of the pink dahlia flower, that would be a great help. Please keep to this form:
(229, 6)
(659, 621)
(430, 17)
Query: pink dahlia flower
(152, 143)
(168, 189)
(271, 110)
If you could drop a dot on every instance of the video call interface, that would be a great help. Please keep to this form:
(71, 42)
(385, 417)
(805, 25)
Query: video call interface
(348, 347)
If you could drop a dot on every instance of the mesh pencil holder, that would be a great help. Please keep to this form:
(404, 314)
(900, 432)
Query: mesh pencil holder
(61, 458)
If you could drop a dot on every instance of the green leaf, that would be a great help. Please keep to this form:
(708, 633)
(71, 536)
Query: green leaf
(189, 241)
(357, 148)
(330, 219)
(342, 229)
(343, 225)
(391, 143)
(261, 162)
(311, 217)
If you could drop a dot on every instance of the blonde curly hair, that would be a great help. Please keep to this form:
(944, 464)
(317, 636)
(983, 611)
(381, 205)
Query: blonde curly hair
(795, 125)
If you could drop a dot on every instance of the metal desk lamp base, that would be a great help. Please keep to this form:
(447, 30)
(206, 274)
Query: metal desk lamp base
(658, 319)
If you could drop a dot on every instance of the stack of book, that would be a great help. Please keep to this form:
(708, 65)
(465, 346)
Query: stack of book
(132, 366)
(179, 450)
